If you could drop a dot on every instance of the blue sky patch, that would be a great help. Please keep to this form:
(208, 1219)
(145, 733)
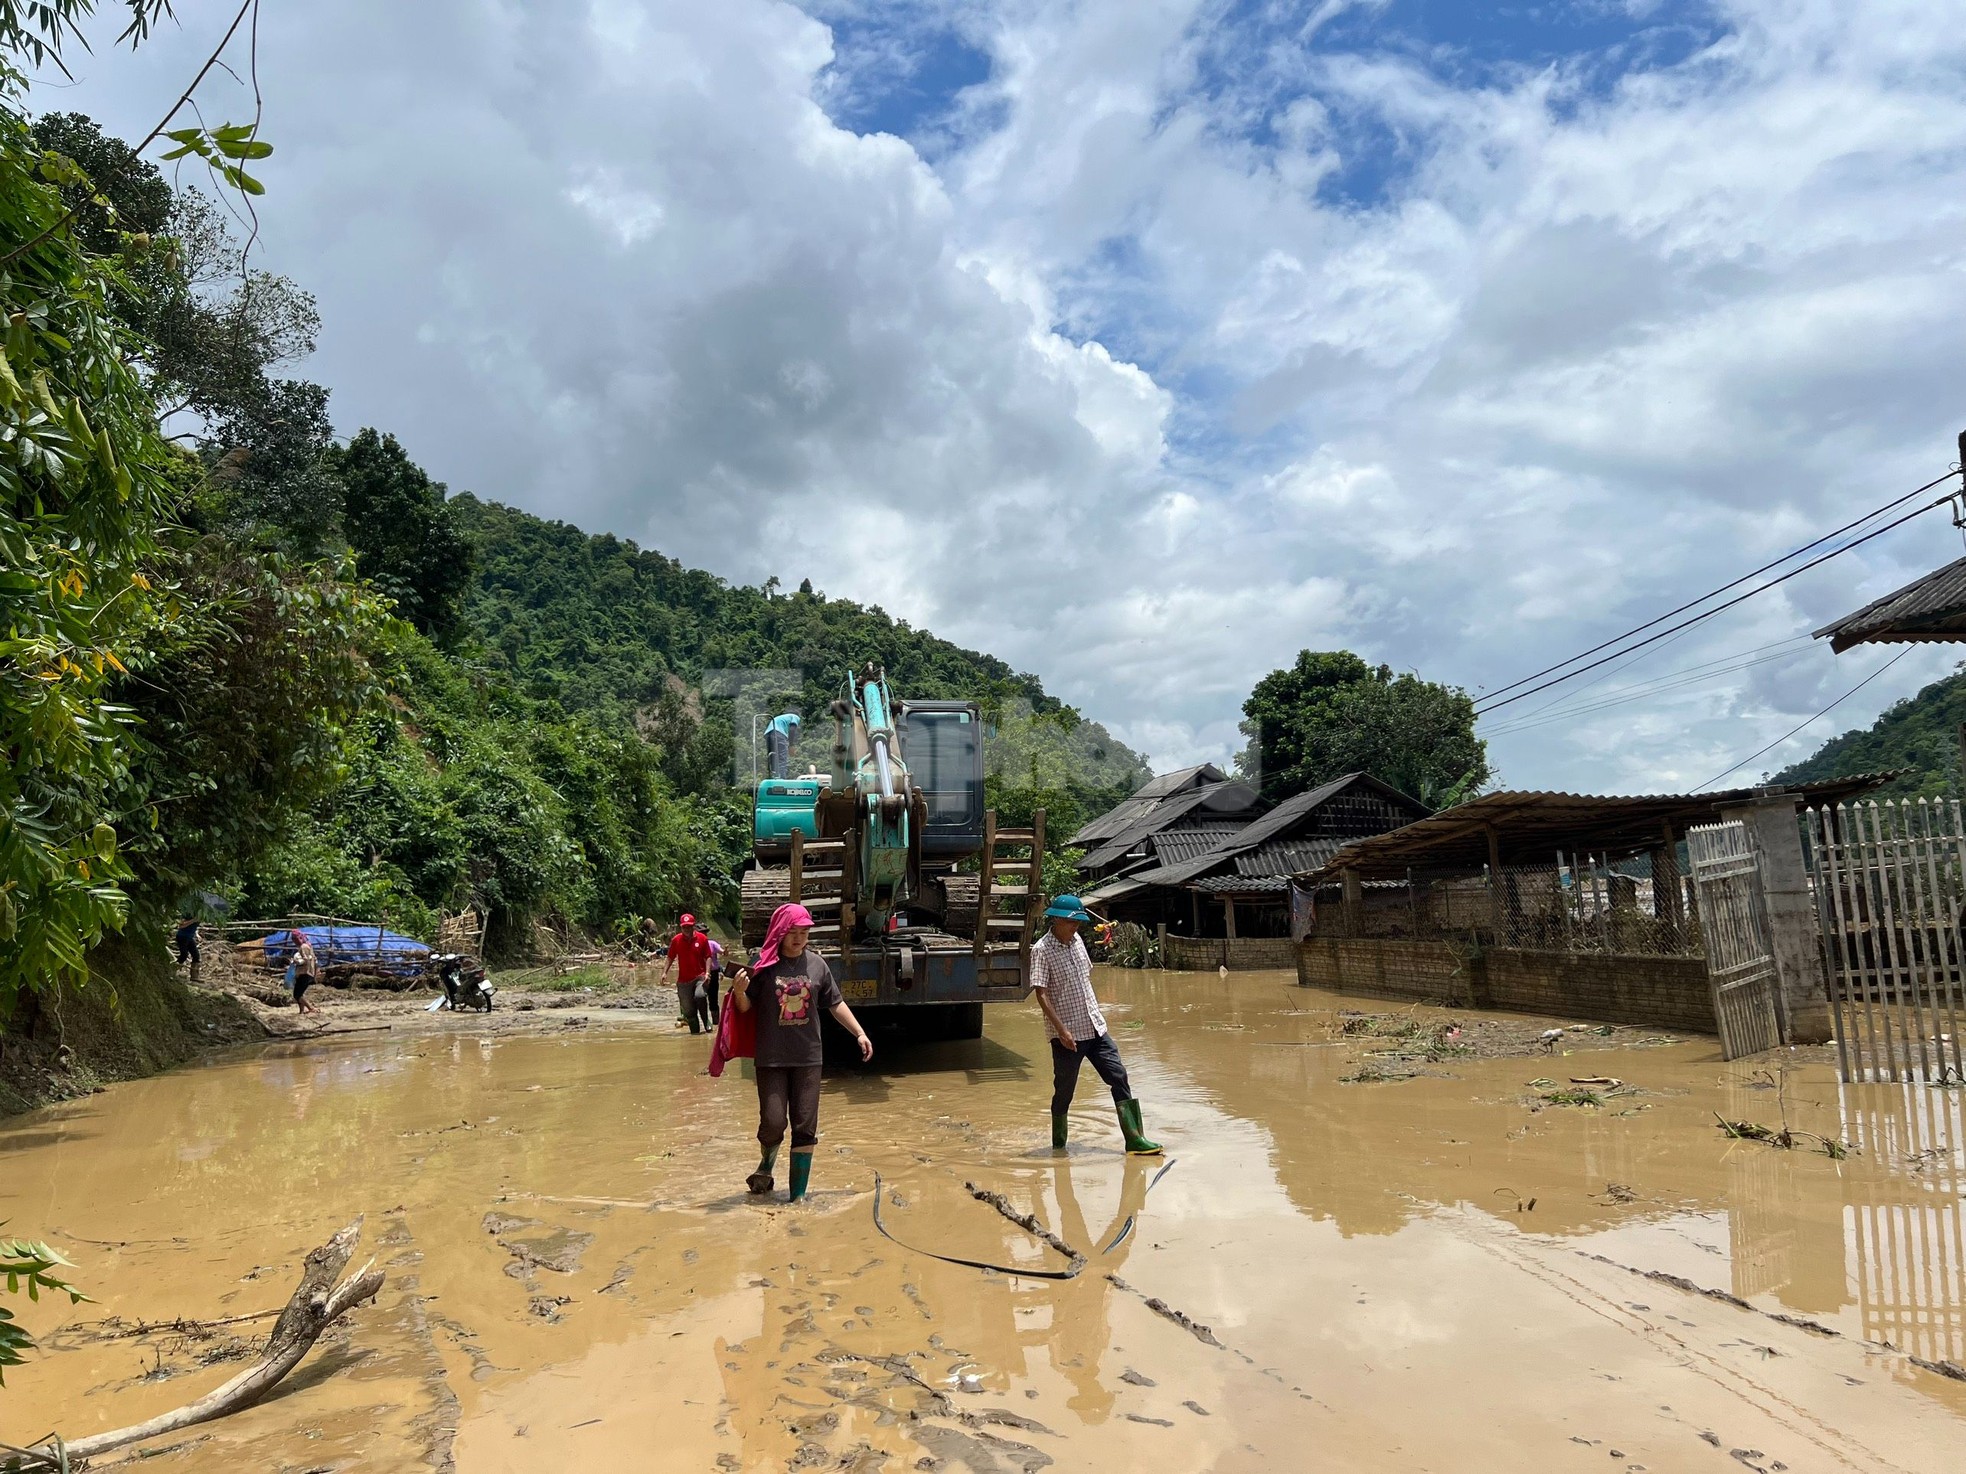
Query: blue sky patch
(897, 71)
(1257, 59)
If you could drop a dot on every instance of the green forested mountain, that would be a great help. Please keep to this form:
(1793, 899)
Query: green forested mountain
(600, 623)
(571, 753)
(1921, 733)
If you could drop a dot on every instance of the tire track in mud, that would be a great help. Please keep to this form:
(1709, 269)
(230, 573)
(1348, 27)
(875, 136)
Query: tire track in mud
(1759, 1396)
(1207, 1337)
(1948, 1369)
(438, 1425)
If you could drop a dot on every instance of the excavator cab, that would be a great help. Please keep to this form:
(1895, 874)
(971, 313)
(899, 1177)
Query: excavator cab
(942, 743)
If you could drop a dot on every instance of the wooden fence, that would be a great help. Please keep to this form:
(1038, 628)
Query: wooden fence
(1890, 884)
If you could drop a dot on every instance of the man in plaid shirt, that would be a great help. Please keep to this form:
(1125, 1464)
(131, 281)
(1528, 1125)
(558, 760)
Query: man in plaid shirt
(1061, 977)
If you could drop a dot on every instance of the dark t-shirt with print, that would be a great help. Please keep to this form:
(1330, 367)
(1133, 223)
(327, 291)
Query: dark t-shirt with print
(788, 997)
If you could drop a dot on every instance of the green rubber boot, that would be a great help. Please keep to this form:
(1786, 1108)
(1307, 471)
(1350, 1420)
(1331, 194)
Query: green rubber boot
(801, 1173)
(760, 1180)
(1136, 1135)
(1058, 1131)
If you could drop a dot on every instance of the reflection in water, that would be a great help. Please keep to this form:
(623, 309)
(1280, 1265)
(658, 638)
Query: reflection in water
(1078, 1340)
(1910, 1255)
(1887, 1239)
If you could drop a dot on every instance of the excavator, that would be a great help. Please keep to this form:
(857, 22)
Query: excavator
(922, 906)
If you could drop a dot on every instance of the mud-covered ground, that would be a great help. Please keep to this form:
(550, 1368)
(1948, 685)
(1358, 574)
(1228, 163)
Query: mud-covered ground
(1381, 1244)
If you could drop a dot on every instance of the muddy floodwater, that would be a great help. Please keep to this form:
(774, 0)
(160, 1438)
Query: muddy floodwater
(1447, 1272)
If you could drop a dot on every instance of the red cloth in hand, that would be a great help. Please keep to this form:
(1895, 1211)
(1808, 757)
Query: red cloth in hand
(737, 1037)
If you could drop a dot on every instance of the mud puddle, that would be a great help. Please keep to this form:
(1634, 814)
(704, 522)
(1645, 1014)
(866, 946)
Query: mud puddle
(1473, 1268)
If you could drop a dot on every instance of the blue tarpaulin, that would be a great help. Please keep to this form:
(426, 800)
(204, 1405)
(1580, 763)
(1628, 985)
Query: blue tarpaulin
(367, 946)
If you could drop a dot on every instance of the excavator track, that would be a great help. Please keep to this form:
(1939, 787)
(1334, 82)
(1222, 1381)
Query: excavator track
(960, 894)
(768, 887)
(764, 890)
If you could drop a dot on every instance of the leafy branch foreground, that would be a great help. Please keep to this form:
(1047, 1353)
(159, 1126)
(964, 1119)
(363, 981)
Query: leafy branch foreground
(27, 1263)
(320, 1299)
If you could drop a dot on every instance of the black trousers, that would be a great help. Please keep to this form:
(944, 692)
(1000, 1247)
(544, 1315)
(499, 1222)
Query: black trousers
(788, 1091)
(1102, 1054)
(693, 1000)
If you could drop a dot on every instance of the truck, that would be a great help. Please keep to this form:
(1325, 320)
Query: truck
(923, 907)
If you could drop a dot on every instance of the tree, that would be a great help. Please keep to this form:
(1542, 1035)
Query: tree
(1330, 714)
(216, 328)
(271, 476)
(244, 707)
(211, 328)
(403, 531)
(139, 200)
(85, 481)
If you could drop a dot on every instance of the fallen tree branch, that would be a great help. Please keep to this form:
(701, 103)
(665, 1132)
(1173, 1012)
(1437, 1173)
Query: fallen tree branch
(111, 1329)
(317, 1303)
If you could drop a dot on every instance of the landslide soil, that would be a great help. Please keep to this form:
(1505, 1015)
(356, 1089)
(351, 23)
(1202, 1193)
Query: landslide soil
(1350, 1265)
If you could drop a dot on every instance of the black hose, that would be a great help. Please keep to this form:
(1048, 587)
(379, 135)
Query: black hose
(1040, 1274)
(1127, 1227)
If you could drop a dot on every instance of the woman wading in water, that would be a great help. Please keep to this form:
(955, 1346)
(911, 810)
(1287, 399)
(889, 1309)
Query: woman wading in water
(787, 990)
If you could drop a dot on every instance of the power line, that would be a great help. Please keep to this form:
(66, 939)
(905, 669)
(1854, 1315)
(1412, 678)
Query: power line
(1625, 695)
(1714, 593)
(1556, 703)
(1562, 706)
(1819, 715)
(1729, 604)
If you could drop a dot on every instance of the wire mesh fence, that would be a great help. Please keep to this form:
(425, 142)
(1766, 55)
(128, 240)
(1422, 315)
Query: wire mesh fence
(1574, 903)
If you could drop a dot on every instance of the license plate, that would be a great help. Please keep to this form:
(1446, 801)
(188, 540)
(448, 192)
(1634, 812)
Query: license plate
(860, 990)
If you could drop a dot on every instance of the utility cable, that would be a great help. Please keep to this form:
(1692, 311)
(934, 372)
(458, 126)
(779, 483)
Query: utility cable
(1625, 695)
(1715, 593)
(1564, 704)
(1723, 607)
(1819, 715)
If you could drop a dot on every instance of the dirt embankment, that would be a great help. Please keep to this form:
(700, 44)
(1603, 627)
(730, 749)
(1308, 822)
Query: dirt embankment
(134, 1017)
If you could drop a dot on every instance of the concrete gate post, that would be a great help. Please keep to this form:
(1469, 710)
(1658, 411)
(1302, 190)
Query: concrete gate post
(1794, 936)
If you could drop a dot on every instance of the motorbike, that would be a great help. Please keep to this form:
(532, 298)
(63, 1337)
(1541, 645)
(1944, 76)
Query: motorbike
(465, 984)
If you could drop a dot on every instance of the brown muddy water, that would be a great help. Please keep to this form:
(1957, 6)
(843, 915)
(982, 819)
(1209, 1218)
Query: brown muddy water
(578, 1279)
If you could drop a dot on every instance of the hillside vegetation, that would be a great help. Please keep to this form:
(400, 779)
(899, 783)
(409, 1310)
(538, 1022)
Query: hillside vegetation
(1920, 734)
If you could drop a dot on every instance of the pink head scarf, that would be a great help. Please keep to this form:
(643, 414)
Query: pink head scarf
(782, 920)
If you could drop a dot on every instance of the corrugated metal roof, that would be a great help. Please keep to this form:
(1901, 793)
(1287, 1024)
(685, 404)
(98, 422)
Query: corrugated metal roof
(1143, 799)
(1205, 804)
(1928, 608)
(1112, 890)
(1294, 810)
(1243, 885)
(1538, 824)
(1172, 846)
(1262, 832)
(1287, 856)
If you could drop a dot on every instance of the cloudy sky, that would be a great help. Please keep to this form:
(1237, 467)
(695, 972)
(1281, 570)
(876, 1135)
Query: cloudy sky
(1146, 342)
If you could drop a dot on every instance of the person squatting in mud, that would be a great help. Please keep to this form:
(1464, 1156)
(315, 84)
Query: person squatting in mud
(1061, 981)
(787, 988)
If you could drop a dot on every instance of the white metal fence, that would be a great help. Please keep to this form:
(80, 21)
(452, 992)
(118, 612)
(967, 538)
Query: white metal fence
(1890, 887)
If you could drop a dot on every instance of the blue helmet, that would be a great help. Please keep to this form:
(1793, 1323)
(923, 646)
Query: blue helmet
(1067, 908)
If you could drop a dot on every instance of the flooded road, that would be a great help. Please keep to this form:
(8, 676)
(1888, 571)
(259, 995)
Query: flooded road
(1333, 1274)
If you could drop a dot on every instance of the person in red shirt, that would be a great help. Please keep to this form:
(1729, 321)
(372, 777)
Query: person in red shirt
(689, 959)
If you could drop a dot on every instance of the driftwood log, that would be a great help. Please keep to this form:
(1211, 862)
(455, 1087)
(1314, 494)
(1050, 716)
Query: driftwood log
(320, 1299)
